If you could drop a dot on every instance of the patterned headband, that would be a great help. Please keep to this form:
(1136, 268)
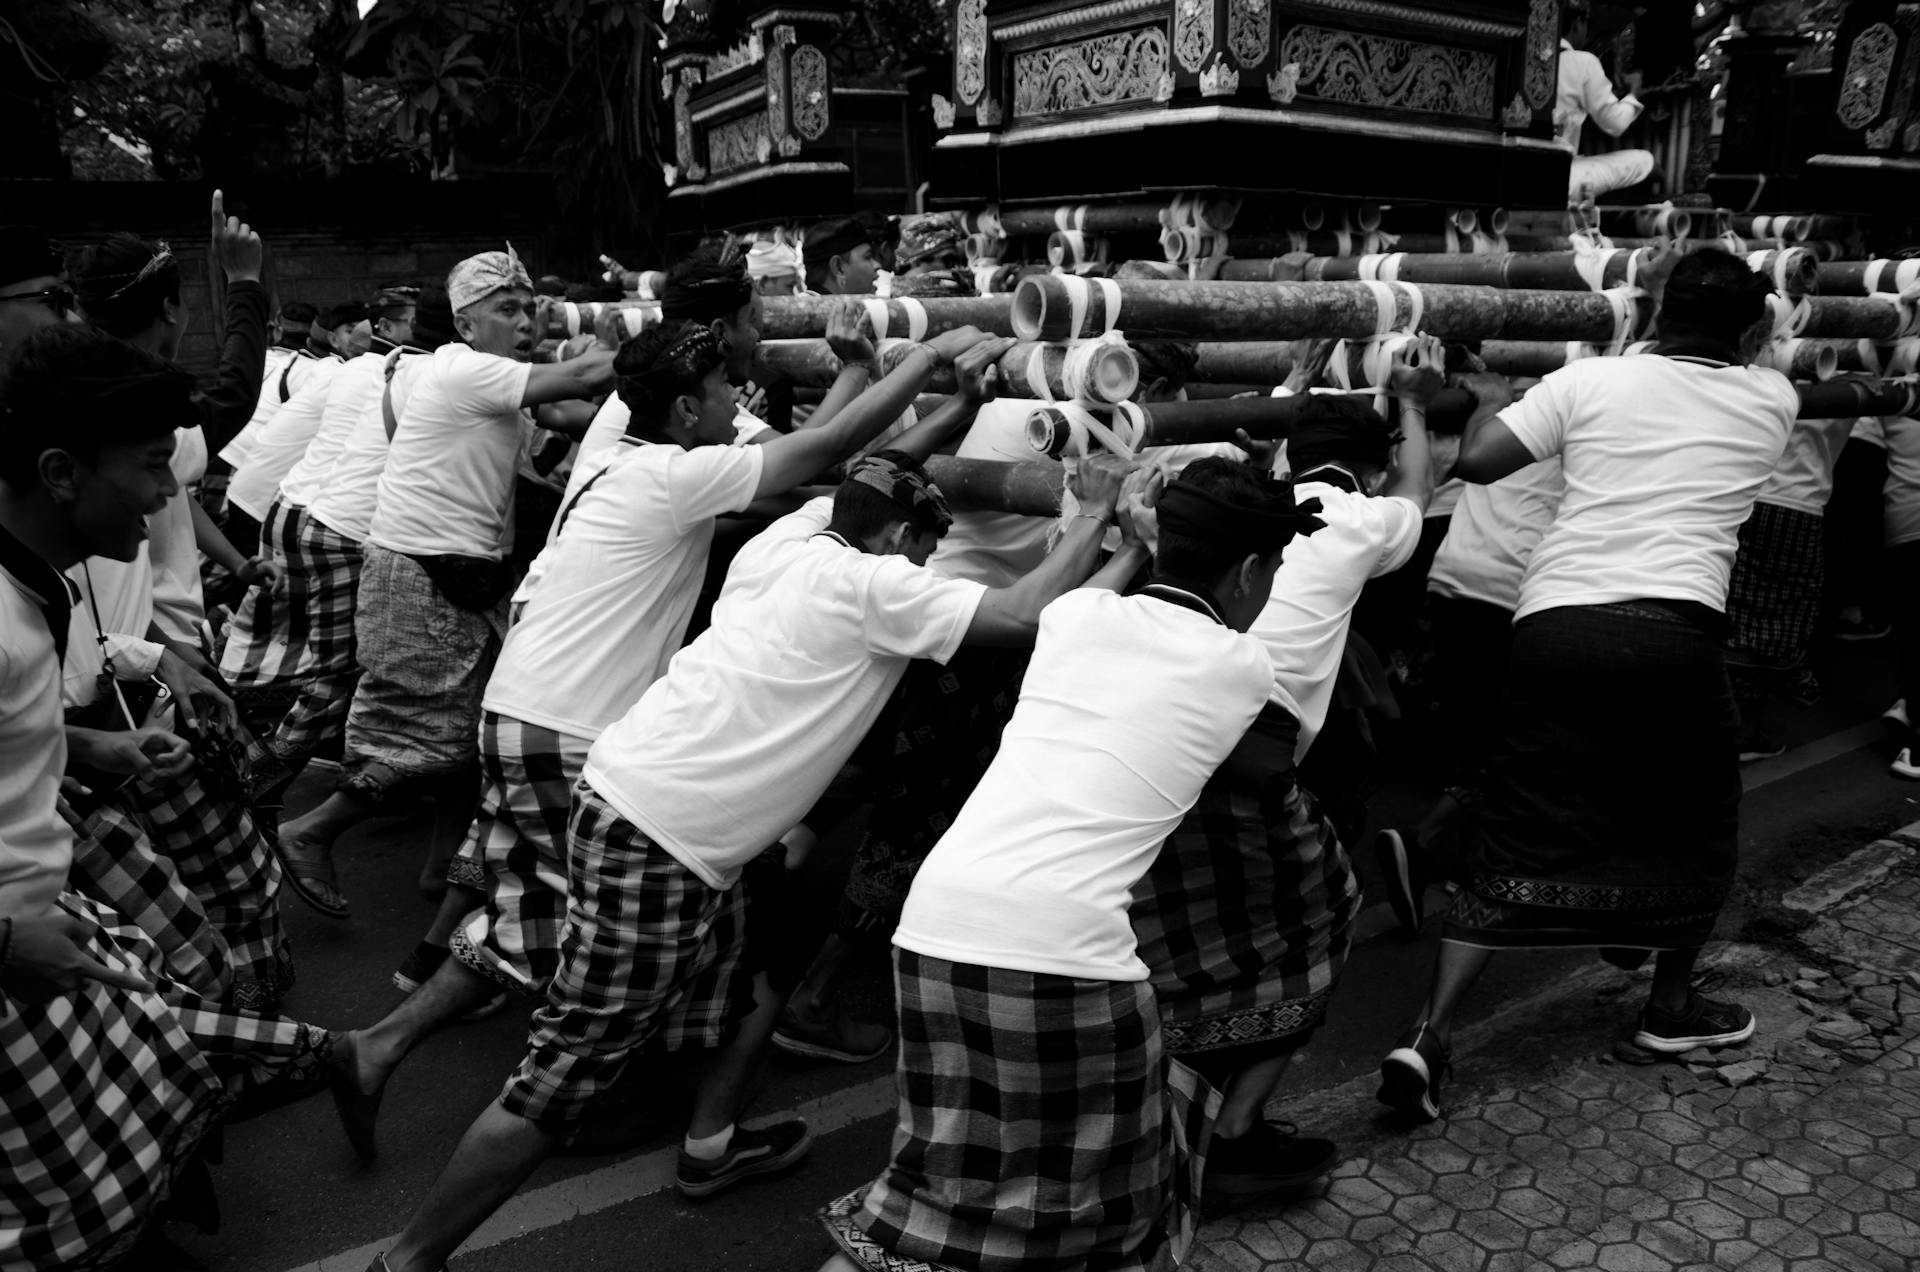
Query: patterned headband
(906, 484)
(162, 255)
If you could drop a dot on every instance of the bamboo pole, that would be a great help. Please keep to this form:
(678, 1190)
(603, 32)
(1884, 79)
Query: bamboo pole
(1901, 357)
(1860, 318)
(1851, 278)
(1862, 395)
(1030, 370)
(1112, 218)
(1049, 429)
(986, 485)
(1546, 271)
(801, 317)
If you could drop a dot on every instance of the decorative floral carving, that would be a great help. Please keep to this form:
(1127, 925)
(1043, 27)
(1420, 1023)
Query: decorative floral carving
(738, 143)
(1863, 87)
(1519, 114)
(1881, 138)
(1249, 30)
(1101, 70)
(745, 53)
(987, 113)
(1192, 32)
(1284, 84)
(970, 50)
(1219, 80)
(788, 145)
(669, 173)
(1371, 70)
(1543, 53)
(942, 112)
(1163, 91)
(777, 90)
(683, 129)
(809, 91)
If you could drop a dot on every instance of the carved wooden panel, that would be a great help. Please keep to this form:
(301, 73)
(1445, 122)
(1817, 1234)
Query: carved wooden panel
(1192, 33)
(1543, 53)
(1249, 30)
(970, 50)
(809, 91)
(1358, 69)
(738, 143)
(1863, 85)
(1101, 70)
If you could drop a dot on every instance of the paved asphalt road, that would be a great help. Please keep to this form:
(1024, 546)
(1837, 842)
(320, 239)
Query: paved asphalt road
(297, 1199)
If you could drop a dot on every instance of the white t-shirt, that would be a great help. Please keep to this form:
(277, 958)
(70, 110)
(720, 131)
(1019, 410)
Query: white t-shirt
(1493, 533)
(346, 502)
(1870, 430)
(1585, 92)
(1128, 707)
(286, 367)
(174, 549)
(618, 585)
(36, 847)
(447, 488)
(355, 387)
(1663, 457)
(729, 749)
(1305, 622)
(1803, 480)
(282, 442)
(610, 425)
(1903, 479)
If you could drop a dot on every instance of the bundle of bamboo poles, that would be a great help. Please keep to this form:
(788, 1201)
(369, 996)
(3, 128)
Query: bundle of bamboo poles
(1108, 373)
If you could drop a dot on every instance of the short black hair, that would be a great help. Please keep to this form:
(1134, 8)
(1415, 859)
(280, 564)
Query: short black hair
(860, 512)
(650, 376)
(1334, 428)
(1715, 294)
(710, 285)
(80, 390)
(433, 318)
(298, 311)
(1178, 556)
(124, 282)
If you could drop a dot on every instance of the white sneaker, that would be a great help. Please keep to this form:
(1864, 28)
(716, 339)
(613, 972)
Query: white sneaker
(1903, 765)
(1895, 716)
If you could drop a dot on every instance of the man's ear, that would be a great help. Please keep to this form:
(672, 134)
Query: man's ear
(60, 474)
(837, 268)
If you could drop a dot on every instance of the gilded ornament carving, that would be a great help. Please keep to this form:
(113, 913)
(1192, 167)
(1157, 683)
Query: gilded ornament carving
(809, 91)
(970, 50)
(746, 53)
(683, 129)
(777, 90)
(1192, 32)
(1219, 80)
(1881, 138)
(1163, 91)
(1371, 70)
(1519, 114)
(1863, 86)
(1284, 84)
(942, 112)
(1101, 70)
(738, 143)
(1249, 30)
(987, 113)
(1543, 53)
(788, 145)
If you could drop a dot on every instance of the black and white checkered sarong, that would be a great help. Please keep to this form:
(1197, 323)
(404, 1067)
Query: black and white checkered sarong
(268, 631)
(110, 1093)
(1773, 596)
(1040, 1128)
(1247, 914)
(651, 958)
(328, 667)
(516, 852)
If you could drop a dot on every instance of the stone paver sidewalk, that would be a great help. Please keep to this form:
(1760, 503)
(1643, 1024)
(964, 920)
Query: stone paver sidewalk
(1797, 1152)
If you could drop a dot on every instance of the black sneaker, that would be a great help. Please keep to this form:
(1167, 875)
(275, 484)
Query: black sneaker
(1401, 876)
(754, 1151)
(418, 966)
(1269, 1158)
(1410, 1075)
(1705, 1023)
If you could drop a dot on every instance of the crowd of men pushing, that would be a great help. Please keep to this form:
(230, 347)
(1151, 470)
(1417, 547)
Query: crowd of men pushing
(1116, 910)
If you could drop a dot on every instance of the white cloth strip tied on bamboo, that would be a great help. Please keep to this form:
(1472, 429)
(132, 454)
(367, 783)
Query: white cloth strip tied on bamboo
(1075, 251)
(1906, 274)
(1389, 337)
(1906, 303)
(878, 311)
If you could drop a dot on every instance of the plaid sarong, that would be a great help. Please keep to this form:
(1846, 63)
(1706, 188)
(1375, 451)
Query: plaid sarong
(116, 864)
(1037, 1129)
(516, 851)
(425, 661)
(328, 668)
(1246, 916)
(1773, 597)
(651, 957)
(268, 632)
(226, 860)
(946, 723)
(111, 1094)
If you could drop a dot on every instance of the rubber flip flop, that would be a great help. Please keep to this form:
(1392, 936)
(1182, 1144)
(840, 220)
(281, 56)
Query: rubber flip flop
(305, 871)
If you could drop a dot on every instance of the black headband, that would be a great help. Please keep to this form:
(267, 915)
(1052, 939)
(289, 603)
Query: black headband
(1264, 528)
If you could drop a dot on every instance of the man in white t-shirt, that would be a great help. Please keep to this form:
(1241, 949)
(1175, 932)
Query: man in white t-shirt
(619, 584)
(1034, 1088)
(817, 622)
(1611, 819)
(1586, 93)
(434, 583)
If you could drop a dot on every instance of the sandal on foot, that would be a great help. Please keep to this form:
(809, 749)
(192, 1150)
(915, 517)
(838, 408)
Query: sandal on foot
(359, 1112)
(310, 874)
